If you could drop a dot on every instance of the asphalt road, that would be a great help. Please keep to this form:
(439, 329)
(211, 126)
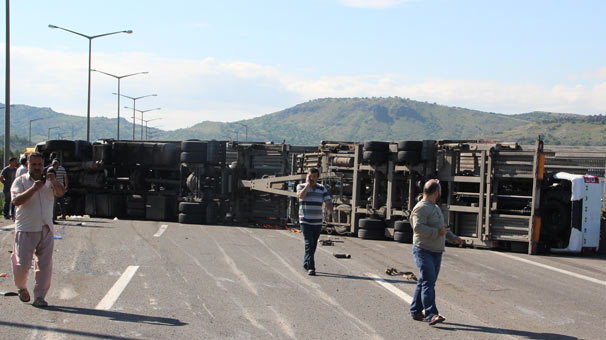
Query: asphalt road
(139, 280)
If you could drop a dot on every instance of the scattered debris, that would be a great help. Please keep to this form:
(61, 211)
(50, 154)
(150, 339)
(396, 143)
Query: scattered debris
(342, 256)
(8, 294)
(57, 237)
(410, 276)
(115, 218)
(329, 242)
(3, 275)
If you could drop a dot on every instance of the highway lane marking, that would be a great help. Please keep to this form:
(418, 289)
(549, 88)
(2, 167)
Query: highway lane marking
(114, 293)
(579, 276)
(161, 230)
(407, 298)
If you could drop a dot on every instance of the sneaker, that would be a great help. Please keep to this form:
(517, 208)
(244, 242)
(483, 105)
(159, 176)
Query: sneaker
(40, 303)
(436, 319)
(311, 272)
(23, 295)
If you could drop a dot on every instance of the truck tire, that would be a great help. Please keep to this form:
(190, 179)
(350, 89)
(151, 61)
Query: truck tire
(191, 207)
(555, 218)
(402, 237)
(402, 226)
(376, 146)
(60, 144)
(371, 234)
(193, 146)
(409, 157)
(410, 145)
(375, 157)
(192, 157)
(191, 218)
(371, 224)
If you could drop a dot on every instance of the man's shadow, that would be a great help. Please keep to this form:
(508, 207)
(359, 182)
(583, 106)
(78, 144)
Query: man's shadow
(493, 330)
(118, 316)
(367, 278)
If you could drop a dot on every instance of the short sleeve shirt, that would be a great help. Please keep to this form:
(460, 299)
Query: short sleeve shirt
(9, 176)
(310, 208)
(36, 212)
(60, 174)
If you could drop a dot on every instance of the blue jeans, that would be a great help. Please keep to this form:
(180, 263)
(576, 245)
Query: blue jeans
(424, 298)
(311, 234)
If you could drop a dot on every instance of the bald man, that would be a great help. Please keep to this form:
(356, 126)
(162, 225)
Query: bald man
(430, 233)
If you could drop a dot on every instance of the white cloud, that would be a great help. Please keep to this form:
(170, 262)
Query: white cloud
(190, 91)
(373, 3)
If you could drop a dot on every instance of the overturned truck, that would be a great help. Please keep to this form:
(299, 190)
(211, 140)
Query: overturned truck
(526, 198)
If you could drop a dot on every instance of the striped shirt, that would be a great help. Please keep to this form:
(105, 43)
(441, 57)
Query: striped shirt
(310, 207)
(60, 174)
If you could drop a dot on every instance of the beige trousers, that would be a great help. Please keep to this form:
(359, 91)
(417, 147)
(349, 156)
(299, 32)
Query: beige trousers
(26, 245)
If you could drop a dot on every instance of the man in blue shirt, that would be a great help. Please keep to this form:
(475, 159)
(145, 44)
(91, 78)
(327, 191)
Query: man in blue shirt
(311, 195)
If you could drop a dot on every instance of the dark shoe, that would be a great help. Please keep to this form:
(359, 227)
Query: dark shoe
(418, 317)
(40, 303)
(311, 272)
(436, 319)
(23, 295)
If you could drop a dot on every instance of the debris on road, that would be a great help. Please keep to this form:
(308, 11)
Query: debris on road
(8, 294)
(329, 242)
(407, 275)
(3, 275)
(57, 237)
(342, 256)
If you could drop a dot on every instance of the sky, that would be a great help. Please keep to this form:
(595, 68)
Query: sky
(233, 60)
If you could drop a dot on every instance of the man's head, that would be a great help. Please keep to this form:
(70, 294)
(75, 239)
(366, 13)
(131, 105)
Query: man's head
(12, 162)
(23, 160)
(55, 164)
(35, 165)
(313, 175)
(431, 190)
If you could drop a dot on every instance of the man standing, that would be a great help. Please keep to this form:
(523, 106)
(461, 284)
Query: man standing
(7, 176)
(311, 195)
(61, 176)
(34, 198)
(22, 170)
(430, 233)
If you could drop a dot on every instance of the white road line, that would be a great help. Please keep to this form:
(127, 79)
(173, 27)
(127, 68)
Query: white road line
(579, 276)
(407, 298)
(161, 230)
(114, 293)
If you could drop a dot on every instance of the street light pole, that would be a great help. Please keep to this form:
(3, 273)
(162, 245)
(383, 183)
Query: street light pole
(141, 112)
(7, 90)
(90, 43)
(49, 130)
(30, 130)
(119, 78)
(134, 105)
(246, 127)
(146, 129)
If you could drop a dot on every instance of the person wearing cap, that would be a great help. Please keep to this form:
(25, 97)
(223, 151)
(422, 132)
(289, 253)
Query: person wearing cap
(34, 197)
(429, 235)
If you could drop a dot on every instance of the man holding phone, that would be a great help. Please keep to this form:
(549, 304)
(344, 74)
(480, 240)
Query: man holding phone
(430, 233)
(311, 195)
(34, 195)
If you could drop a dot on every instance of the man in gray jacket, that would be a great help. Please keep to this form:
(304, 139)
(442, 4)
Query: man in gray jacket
(430, 233)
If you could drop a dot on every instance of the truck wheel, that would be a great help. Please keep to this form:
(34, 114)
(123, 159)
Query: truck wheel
(410, 145)
(60, 144)
(371, 234)
(191, 218)
(555, 218)
(191, 207)
(409, 157)
(376, 146)
(402, 226)
(375, 157)
(402, 237)
(192, 157)
(371, 224)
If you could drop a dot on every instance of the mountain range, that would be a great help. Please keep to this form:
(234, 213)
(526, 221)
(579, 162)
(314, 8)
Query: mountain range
(342, 119)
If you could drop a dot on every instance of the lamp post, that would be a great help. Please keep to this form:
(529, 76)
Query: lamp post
(90, 42)
(246, 127)
(146, 130)
(134, 106)
(30, 130)
(49, 130)
(119, 78)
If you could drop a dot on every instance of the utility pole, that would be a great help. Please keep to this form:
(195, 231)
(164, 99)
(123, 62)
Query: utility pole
(7, 88)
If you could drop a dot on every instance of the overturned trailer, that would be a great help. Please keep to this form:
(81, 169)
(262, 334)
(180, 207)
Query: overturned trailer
(494, 194)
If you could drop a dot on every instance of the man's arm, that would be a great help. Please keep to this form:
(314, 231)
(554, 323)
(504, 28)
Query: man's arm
(301, 194)
(57, 187)
(66, 181)
(24, 196)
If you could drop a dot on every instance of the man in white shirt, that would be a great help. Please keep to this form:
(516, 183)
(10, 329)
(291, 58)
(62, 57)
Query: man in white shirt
(34, 197)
